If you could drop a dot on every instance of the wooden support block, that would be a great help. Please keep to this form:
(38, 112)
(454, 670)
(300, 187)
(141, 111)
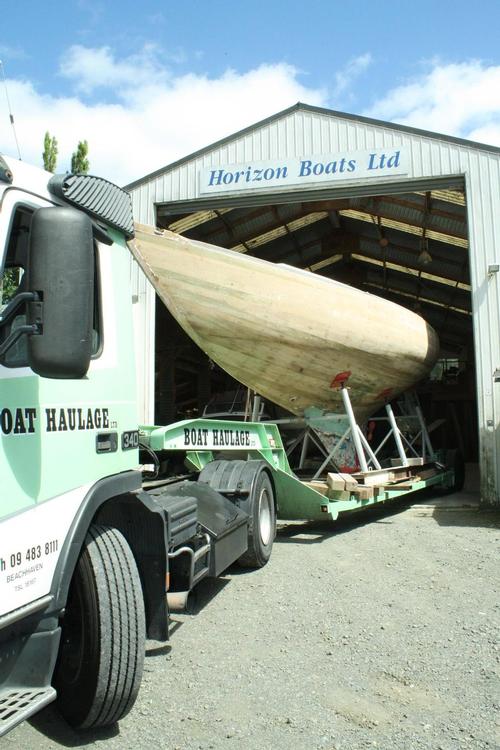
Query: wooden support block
(341, 481)
(363, 493)
(320, 487)
(335, 481)
(426, 473)
(383, 476)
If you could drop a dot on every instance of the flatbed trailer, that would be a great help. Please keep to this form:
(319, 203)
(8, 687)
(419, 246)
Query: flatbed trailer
(211, 445)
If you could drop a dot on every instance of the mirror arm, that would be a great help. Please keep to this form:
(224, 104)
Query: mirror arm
(16, 334)
(15, 303)
(27, 328)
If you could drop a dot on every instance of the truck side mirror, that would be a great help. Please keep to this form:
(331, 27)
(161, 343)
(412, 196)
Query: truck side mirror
(61, 271)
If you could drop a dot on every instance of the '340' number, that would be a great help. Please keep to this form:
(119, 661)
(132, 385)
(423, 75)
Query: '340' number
(130, 440)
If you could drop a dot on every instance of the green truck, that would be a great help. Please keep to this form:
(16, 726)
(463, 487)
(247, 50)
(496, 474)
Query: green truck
(93, 550)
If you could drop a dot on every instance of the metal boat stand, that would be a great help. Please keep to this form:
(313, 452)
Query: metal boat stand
(408, 430)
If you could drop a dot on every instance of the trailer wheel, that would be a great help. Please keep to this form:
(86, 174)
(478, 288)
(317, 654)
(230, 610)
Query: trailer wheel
(101, 655)
(261, 508)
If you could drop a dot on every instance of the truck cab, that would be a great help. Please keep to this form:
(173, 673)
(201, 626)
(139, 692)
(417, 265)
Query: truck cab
(68, 422)
(88, 552)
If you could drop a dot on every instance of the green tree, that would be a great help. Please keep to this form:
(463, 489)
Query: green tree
(49, 152)
(79, 162)
(9, 284)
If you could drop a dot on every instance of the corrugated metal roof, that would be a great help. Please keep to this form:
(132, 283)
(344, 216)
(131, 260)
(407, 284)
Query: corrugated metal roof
(289, 238)
(191, 221)
(410, 295)
(325, 263)
(401, 226)
(450, 196)
(417, 210)
(294, 232)
(280, 231)
(412, 272)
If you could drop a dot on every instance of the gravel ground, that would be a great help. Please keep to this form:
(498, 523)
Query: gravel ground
(380, 631)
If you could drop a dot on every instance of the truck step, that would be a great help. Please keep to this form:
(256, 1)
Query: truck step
(202, 552)
(18, 705)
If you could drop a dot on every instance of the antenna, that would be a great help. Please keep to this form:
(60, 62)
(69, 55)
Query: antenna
(11, 116)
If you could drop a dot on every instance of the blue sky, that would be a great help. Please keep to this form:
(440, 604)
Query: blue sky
(154, 81)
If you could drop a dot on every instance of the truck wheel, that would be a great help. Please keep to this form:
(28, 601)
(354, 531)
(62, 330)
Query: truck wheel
(101, 656)
(262, 525)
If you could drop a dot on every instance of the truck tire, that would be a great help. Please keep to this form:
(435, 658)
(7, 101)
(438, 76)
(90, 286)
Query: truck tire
(260, 507)
(101, 656)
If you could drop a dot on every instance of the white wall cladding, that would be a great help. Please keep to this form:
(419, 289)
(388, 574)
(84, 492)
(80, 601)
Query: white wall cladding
(304, 131)
(298, 134)
(143, 316)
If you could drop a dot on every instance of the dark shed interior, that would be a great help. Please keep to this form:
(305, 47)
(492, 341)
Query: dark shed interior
(411, 248)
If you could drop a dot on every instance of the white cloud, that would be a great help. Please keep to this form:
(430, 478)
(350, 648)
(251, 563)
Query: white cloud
(155, 117)
(461, 99)
(345, 77)
(9, 52)
(137, 116)
(91, 69)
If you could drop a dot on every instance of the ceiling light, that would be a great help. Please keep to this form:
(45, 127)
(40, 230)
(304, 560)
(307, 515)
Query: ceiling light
(424, 257)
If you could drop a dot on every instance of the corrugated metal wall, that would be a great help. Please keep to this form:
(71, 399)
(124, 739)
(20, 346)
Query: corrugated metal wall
(303, 132)
(143, 309)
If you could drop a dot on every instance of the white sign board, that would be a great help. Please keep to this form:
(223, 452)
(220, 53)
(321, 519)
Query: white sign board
(284, 173)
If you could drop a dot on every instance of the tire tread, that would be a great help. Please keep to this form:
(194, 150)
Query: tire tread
(120, 612)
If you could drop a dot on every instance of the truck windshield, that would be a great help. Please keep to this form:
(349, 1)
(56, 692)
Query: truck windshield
(17, 252)
(11, 282)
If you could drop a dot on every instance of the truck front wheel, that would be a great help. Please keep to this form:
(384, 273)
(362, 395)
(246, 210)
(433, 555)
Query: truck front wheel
(101, 656)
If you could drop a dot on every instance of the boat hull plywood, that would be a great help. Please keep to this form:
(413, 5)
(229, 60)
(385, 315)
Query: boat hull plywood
(284, 332)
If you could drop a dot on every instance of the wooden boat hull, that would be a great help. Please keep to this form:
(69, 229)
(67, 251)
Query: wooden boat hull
(286, 333)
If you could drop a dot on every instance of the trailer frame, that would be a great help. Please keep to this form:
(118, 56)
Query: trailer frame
(206, 440)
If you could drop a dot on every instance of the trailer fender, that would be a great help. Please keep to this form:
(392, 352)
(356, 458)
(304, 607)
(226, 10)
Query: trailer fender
(249, 485)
